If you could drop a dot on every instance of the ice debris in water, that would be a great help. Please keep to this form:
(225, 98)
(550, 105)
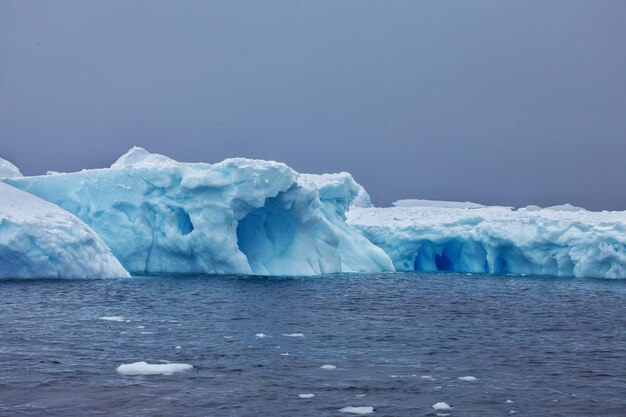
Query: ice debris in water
(441, 406)
(306, 395)
(467, 378)
(293, 334)
(260, 335)
(508, 401)
(357, 410)
(178, 347)
(328, 367)
(144, 368)
(113, 318)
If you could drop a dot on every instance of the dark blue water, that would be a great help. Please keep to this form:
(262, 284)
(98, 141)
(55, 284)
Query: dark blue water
(551, 346)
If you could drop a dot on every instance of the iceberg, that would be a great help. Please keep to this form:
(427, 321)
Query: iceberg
(8, 170)
(239, 216)
(555, 241)
(40, 240)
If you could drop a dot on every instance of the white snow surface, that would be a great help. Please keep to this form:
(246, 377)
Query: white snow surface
(41, 240)
(238, 216)
(8, 170)
(498, 240)
(144, 368)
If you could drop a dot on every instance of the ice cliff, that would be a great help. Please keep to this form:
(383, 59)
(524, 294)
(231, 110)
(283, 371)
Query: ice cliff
(40, 240)
(238, 216)
(556, 241)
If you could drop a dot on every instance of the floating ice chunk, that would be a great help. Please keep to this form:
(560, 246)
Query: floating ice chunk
(360, 395)
(293, 334)
(357, 410)
(509, 401)
(441, 406)
(141, 327)
(261, 335)
(284, 354)
(178, 347)
(306, 395)
(328, 367)
(113, 318)
(467, 378)
(146, 332)
(144, 368)
(428, 377)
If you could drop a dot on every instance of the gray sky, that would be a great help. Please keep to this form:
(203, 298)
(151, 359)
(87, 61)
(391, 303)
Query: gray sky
(497, 102)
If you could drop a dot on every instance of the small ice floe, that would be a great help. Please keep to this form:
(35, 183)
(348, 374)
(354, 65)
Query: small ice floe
(113, 318)
(509, 401)
(328, 367)
(141, 327)
(428, 377)
(438, 387)
(284, 354)
(228, 337)
(467, 378)
(512, 412)
(360, 395)
(178, 347)
(293, 334)
(442, 406)
(357, 410)
(146, 332)
(305, 396)
(260, 335)
(144, 368)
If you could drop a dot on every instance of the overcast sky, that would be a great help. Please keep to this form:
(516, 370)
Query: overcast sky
(497, 102)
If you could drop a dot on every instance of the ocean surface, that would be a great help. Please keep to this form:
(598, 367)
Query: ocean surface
(400, 342)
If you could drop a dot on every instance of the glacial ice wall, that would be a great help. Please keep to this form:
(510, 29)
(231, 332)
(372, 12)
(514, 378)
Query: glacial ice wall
(238, 216)
(498, 240)
(40, 240)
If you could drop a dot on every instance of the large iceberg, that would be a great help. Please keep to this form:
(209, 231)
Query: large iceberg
(556, 241)
(239, 216)
(40, 240)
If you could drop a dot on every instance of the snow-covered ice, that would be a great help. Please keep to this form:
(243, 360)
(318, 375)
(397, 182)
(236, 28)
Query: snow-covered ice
(306, 395)
(41, 240)
(293, 334)
(328, 367)
(442, 406)
(467, 378)
(260, 335)
(238, 216)
(498, 240)
(357, 410)
(144, 368)
(8, 170)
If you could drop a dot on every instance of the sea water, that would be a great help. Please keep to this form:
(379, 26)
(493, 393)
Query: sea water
(338, 345)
